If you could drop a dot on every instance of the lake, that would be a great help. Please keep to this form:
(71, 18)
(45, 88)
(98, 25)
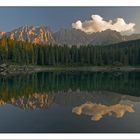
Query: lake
(54, 102)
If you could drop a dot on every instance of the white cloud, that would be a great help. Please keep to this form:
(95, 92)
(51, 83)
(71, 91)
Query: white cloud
(98, 24)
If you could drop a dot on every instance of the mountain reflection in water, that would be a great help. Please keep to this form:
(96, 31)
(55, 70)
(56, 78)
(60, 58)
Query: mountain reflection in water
(104, 90)
(103, 101)
(37, 100)
(98, 111)
(53, 102)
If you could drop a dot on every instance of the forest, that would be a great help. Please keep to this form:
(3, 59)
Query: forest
(24, 53)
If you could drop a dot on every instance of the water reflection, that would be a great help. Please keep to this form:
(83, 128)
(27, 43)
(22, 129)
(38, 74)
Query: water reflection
(126, 83)
(100, 100)
(98, 111)
(2, 102)
(37, 100)
(42, 90)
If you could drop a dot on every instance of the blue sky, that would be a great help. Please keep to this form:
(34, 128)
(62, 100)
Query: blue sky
(57, 17)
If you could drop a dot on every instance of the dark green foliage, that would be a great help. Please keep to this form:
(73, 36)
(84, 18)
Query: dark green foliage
(23, 53)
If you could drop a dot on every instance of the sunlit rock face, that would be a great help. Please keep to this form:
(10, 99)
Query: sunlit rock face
(32, 34)
(2, 34)
(98, 111)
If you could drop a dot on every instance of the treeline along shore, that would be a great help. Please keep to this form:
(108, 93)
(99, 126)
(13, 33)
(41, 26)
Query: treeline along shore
(24, 56)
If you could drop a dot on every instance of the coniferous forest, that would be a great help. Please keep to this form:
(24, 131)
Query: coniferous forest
(24, 53)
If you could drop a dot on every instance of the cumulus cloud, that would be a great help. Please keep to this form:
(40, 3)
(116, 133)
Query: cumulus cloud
(98, 24)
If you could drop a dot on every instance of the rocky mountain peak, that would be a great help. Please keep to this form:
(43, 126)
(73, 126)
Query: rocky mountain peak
(33, 34)
(2, 33)
(69, 36)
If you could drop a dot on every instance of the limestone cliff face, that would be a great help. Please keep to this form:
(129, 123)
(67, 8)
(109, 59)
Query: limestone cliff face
(77, 37)
(2, 34)
(67, 36)
(32, 34)
(72, 37)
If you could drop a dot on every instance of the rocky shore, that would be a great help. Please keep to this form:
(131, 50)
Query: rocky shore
(6, 69)
(14, 69)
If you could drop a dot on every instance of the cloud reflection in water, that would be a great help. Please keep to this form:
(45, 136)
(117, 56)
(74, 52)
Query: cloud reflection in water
(98, 111)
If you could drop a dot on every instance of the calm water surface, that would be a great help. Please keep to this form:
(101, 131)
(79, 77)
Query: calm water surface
(70, 102)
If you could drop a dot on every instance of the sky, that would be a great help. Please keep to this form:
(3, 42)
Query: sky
(63, 17)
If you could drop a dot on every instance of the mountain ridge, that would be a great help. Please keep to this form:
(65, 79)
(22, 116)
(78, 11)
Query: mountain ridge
(32, 34)
(69, 36)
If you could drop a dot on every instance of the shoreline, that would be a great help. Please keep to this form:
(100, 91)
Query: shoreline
(88, 68)
(16, 69)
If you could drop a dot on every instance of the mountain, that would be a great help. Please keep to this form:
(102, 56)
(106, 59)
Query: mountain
(132, 37)
(68, 36)
(37, 35)
(107, 37)
(72, 37)
(2, 33)
(77, 37)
